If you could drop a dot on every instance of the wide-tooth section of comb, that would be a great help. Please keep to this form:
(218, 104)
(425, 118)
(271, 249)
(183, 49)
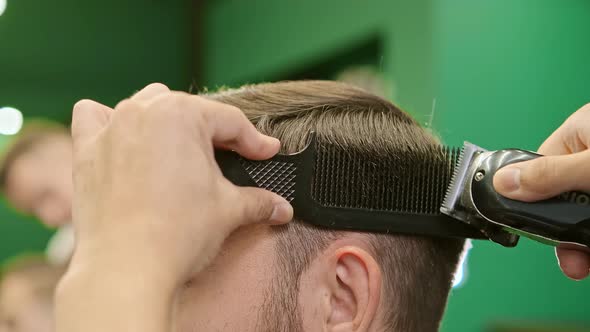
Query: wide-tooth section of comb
(406, 182)
(276, 176)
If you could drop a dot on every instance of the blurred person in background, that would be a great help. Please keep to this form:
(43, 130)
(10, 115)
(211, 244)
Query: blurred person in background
(36, 178)
(27, 287)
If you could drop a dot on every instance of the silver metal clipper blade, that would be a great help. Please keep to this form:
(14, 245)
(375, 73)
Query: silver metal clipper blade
(457, 184)
(458, 202)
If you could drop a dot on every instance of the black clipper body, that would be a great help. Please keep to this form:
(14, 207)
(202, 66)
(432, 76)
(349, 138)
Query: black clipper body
(471, 198)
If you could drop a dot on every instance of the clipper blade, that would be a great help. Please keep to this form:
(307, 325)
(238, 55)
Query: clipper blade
(458, 202)
(457, 183)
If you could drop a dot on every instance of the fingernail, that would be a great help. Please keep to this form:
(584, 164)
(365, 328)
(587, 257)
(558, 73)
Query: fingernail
(508, 179)
(282, 213)
(274, 141)
(270, 143)
(574, 272)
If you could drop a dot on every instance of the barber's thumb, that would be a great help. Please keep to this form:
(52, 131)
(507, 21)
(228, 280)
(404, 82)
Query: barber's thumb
(544, 177)
(262, 206)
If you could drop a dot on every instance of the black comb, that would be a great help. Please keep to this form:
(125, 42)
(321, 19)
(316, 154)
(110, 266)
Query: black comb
(330, 186)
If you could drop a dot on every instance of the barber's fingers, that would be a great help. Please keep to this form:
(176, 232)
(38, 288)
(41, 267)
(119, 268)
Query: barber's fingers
(574, 263)
(232, 130)
(226, 125)
(149, 92)
(89, 116)
(556, 143)
(544, 177)
(571, 137)
(88, 119)
(261, 206)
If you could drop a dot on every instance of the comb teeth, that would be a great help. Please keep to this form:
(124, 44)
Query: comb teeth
(276, 176)
(406, 182)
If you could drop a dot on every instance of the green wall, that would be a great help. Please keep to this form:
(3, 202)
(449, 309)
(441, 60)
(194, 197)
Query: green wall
(53, 53)
(263, 40)
(501, 74)
(509, 72)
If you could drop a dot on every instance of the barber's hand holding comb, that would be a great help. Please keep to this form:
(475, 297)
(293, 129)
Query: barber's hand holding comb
(151, 207)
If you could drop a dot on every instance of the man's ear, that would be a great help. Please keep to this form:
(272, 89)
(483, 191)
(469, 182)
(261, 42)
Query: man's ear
(355, 289)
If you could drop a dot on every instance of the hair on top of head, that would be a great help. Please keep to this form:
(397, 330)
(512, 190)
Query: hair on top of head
(34, 131)
(418, 271)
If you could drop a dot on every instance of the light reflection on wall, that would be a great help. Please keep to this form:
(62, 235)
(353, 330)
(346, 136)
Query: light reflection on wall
(2, 6)
(11, 120)
(462, 271)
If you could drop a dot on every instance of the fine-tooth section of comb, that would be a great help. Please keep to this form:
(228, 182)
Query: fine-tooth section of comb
(408, 182)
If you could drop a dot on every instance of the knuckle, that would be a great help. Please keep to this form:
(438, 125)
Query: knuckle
(157, 86)
(235, 110)
(180, 109)
(127, 105)
(199, 110)
(540, 175)
(163, 101)
(199, 120)
(260, 208)
(583, 114)
(79, 112)
(168, 103)
(198, 103)
(264, 210)
(82, 104)
(239, 114)
(186, 103)
(197, 99)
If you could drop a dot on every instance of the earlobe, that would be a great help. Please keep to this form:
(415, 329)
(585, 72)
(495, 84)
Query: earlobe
(356, 290)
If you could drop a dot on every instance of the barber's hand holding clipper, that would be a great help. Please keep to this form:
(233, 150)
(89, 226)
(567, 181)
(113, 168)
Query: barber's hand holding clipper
(566, 167)
(151, 206)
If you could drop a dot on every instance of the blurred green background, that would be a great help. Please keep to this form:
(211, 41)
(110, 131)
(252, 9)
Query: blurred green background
(498, 73)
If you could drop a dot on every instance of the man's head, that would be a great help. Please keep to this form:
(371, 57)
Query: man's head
(26, 295)
(302, 278)
(35, 172)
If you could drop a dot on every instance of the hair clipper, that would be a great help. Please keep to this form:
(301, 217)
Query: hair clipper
(471, 198)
